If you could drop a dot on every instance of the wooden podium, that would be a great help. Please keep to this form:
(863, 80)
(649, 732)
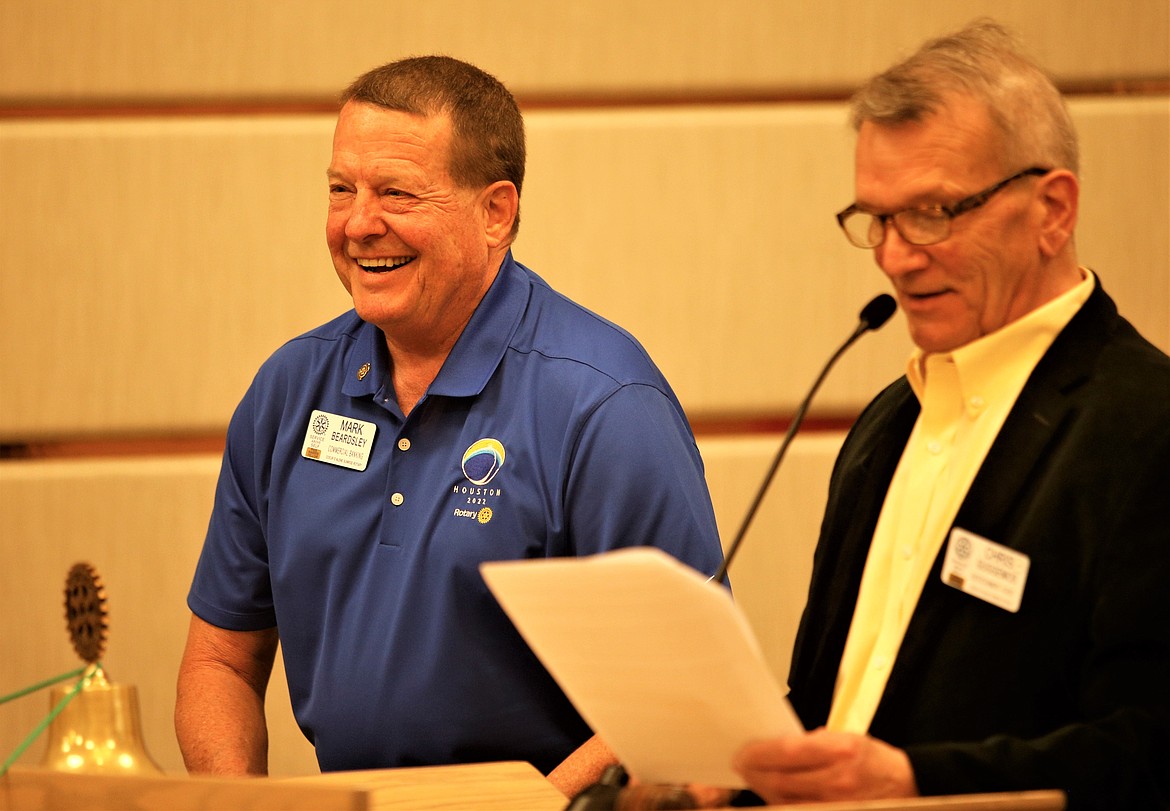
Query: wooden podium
(1012, 801)
(488, 786)
(510, 786)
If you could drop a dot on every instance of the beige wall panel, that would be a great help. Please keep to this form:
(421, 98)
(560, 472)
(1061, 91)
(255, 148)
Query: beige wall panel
(1125, 205)
(149, 265)
(769, 575)
(710, 233)
(140, 523)
(62, 50)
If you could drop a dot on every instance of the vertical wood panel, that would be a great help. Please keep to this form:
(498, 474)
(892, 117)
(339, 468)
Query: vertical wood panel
(770, 573)
(151, 265)
(1125, 205)
(140, 523)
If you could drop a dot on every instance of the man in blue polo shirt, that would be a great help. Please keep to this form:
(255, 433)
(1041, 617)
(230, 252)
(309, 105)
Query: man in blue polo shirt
(461, 412)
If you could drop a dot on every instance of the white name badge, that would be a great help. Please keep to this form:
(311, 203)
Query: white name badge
(338, 440)
(985, 569)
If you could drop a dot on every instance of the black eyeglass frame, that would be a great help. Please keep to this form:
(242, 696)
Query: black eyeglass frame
(950, 212)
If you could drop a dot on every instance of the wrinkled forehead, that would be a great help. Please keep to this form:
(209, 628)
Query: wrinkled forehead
(947, 152)
(369, 122)
(368, 134)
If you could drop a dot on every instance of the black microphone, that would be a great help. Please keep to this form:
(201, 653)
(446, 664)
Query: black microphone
(872, 316)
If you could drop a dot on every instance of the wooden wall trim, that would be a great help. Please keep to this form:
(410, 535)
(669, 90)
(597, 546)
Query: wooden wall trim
(106, 447)
(704, 426)
(122, 108)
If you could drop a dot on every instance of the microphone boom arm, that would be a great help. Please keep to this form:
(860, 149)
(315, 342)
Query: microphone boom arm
(873, 316)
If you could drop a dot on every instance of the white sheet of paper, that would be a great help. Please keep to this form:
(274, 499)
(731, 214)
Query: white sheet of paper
(659, 662)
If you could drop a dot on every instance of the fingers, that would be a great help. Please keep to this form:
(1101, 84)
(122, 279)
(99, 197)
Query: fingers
(817, 749)
(825, 765)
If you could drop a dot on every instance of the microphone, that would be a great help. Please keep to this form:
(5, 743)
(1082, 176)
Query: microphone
(873, 316)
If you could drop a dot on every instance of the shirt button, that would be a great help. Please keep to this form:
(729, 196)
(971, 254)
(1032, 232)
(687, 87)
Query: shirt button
(880, 663)
(397, 499)
(404, 444)
(934, 447)
(977, 402)
(907, 552)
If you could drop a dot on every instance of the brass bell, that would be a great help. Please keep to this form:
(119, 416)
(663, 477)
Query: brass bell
(98, 731)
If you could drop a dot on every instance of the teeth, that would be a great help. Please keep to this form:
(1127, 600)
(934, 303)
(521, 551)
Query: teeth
(391, 262)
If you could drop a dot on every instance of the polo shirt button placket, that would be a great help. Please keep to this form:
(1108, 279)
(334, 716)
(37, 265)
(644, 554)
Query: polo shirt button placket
(397, 498)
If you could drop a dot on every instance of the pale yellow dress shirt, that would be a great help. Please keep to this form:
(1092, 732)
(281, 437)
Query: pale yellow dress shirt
(965, 397)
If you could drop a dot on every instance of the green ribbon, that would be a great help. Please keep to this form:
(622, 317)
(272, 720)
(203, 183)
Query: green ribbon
(42, 685)
(43, 725)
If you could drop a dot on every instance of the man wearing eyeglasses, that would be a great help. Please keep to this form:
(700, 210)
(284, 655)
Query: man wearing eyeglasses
(990, 600)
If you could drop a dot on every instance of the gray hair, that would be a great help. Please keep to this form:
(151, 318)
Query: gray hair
(982, 61)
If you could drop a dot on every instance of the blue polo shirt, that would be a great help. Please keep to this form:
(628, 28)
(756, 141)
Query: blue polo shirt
(548, 432)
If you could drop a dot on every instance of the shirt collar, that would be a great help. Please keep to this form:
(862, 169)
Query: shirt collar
(482, 344)
(474, 357)
(1005, 358)
(368, 364)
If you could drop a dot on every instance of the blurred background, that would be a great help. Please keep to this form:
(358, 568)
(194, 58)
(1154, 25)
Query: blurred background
(162, 202)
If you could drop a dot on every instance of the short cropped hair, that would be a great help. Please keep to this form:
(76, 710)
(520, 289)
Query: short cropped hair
(982, 61)
(488, 129)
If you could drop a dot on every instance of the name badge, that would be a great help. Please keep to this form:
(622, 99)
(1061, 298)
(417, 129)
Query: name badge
(985, 569)
(338, 440)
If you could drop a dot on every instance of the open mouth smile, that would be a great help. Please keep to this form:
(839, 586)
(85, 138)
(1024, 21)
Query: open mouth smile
(384, 265)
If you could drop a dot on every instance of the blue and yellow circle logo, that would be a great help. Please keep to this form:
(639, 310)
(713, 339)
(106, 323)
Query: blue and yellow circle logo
(483, 460)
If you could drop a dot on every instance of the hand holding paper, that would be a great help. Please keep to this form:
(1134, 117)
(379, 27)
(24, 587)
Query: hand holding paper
(658, 661)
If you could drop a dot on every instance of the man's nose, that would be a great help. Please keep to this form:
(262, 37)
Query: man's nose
(895, 255)
(365, 217)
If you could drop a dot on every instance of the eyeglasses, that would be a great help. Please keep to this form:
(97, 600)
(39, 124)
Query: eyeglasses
(918, 226)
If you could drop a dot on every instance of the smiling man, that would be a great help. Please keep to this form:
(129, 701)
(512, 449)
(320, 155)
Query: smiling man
(988, 608)
(461, 412)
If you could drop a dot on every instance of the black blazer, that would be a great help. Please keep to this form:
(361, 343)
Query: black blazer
(1071, 691)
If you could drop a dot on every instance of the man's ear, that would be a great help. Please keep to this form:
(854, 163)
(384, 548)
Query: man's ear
(1059, 193)
(500, 204)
